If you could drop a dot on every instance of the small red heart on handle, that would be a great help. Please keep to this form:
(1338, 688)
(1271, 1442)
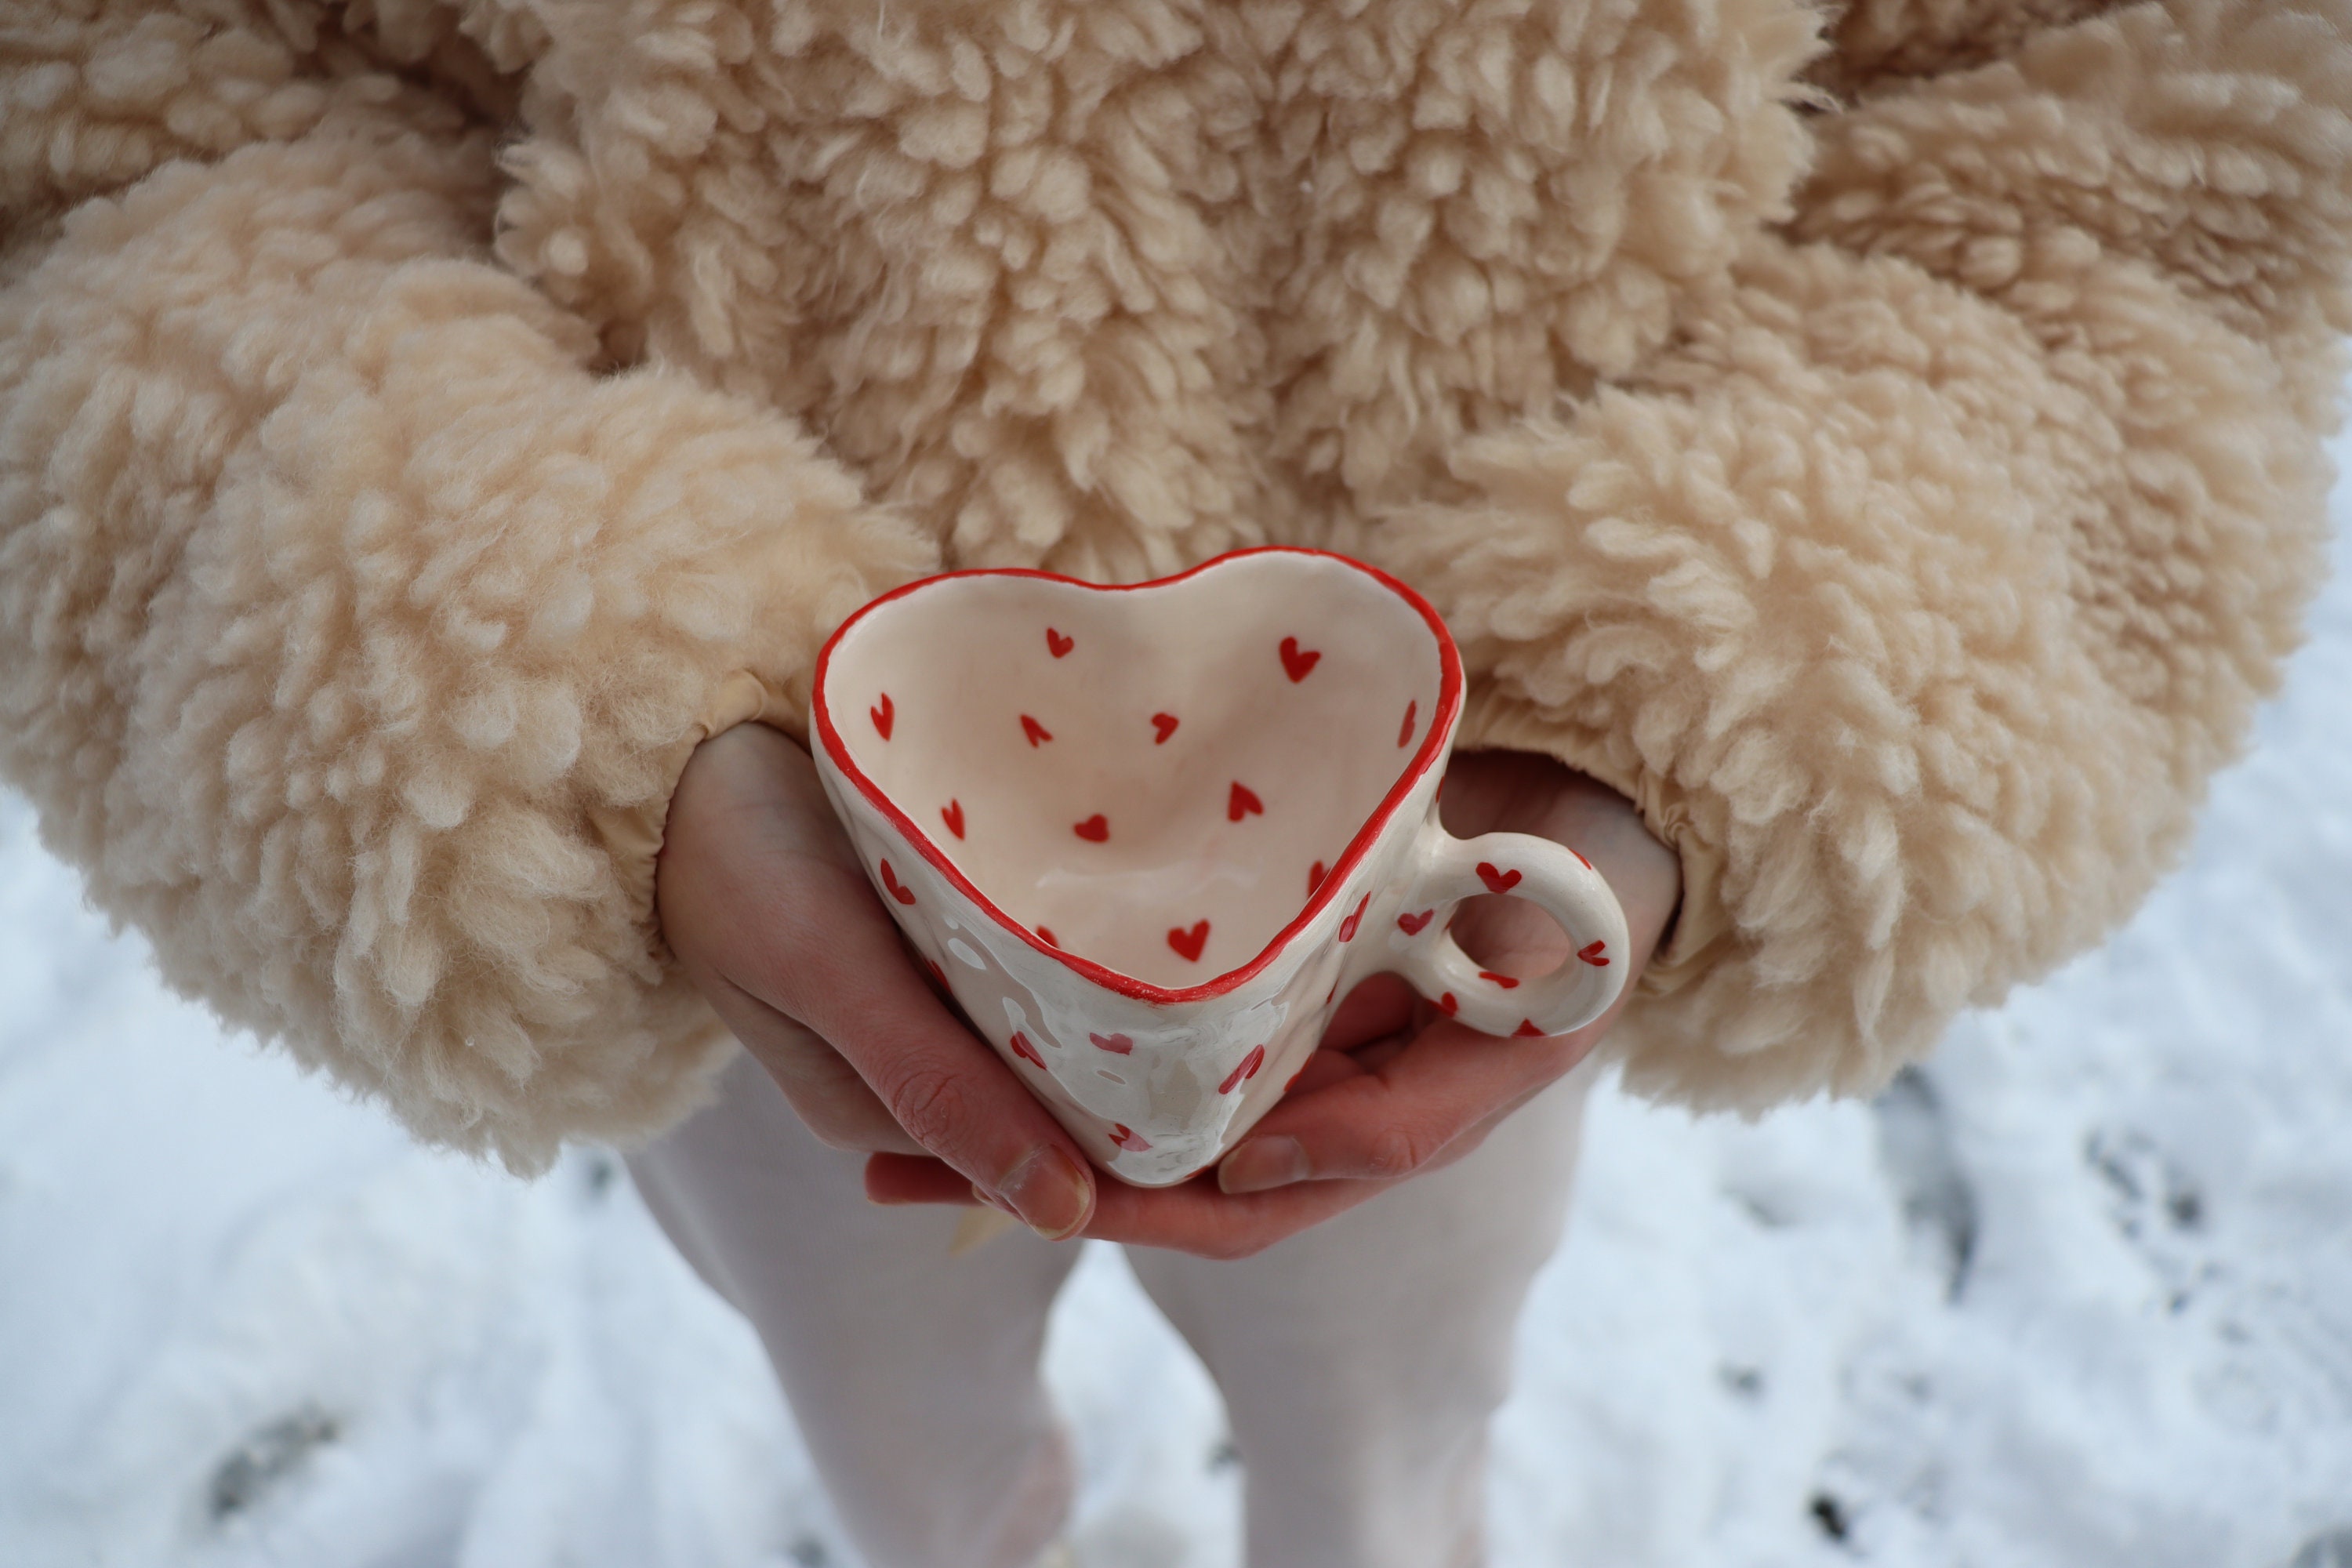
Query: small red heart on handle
(1132, 1141)
(1093, 829)
(1411, 924)
(1241, 801)
(1025, 1050)
(1057, 643)
(1405, 735)
(1295, 663)
(1594, 954)
(1045, 935)
(1117, 1045)
(883, 713)
(1245, 1069)
(1166, 724)
(1497, 881)
(1189, 943)
(1348, 926)
(1448, 1005)
(1034, 730)
(952, 813)
(1507, 982)
(890, 880)
(1528, 1030)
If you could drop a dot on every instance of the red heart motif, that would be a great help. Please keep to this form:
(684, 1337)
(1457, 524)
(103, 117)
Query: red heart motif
(885, 713)
(1189, 943)
(1448, 1005)
(1315, 875)
(1117, 1045)
(1296, 664)
(1594, 954)
(890, 880)
(1242, 802)
(937, 973)
(1581, 859)
(1498, 881)
(1243, 1069)
(1411, 924)
(952, 813)
(1405, 735)
(1348, 926)
(1046, 934)
(1057, 643)
(1093, 829)
(1132, 1141)
(1507, 982)
(1166, 724)
(1528, 1030)
(1025, 1050)
(1034, 730)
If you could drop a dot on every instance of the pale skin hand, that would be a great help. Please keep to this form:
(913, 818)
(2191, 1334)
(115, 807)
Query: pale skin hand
(763, 901)
(770, 915)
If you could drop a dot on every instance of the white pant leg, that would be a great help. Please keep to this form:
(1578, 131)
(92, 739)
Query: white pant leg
(913, 1375)
(1363, 1361)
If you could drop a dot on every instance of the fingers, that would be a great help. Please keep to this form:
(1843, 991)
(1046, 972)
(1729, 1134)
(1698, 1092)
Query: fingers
(1203, 1218)
(824, 1090)
(1382, 1004)
(732, 814)
(1420, 1106)
(1401, 1117)
(1325, 1068)
(916, 1179)
(845, 974)
(1317, 1153)
(758, 889)
(1193, 1217)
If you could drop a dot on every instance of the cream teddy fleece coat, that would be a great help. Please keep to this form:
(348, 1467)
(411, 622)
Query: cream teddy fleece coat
(1880, 441)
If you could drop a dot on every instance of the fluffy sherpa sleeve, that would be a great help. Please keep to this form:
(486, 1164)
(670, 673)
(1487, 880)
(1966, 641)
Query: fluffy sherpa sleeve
(353, 630)
(1916, 590)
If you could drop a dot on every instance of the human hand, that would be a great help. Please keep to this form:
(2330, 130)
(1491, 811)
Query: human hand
(762, 900)
(1397, 1089)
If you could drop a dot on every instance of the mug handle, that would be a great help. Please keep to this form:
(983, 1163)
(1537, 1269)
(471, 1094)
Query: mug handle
(1553, 876)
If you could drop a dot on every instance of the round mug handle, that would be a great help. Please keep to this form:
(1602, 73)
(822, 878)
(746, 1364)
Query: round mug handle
(1549, 875)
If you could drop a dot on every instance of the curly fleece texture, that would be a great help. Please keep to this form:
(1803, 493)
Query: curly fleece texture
(1882, 440)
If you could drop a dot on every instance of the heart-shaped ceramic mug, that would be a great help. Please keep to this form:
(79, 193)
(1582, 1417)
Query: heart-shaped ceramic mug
(1148, 836)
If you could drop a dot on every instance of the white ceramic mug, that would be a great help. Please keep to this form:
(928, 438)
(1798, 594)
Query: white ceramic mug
(1148, 836)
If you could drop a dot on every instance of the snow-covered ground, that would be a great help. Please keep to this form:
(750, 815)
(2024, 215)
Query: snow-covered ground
(2080, 1295)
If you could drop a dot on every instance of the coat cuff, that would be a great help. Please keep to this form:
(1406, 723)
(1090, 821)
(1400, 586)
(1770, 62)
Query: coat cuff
(431, 608)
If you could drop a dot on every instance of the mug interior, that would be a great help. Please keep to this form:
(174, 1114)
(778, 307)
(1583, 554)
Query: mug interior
(1154, 778)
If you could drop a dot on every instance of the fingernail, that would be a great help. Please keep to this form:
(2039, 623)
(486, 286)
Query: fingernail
(1050, 1194)
(1262, 1165)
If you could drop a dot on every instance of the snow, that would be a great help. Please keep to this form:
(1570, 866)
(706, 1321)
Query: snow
(2078, 1294)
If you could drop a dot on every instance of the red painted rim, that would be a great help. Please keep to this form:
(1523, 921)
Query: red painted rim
(1441, 731)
